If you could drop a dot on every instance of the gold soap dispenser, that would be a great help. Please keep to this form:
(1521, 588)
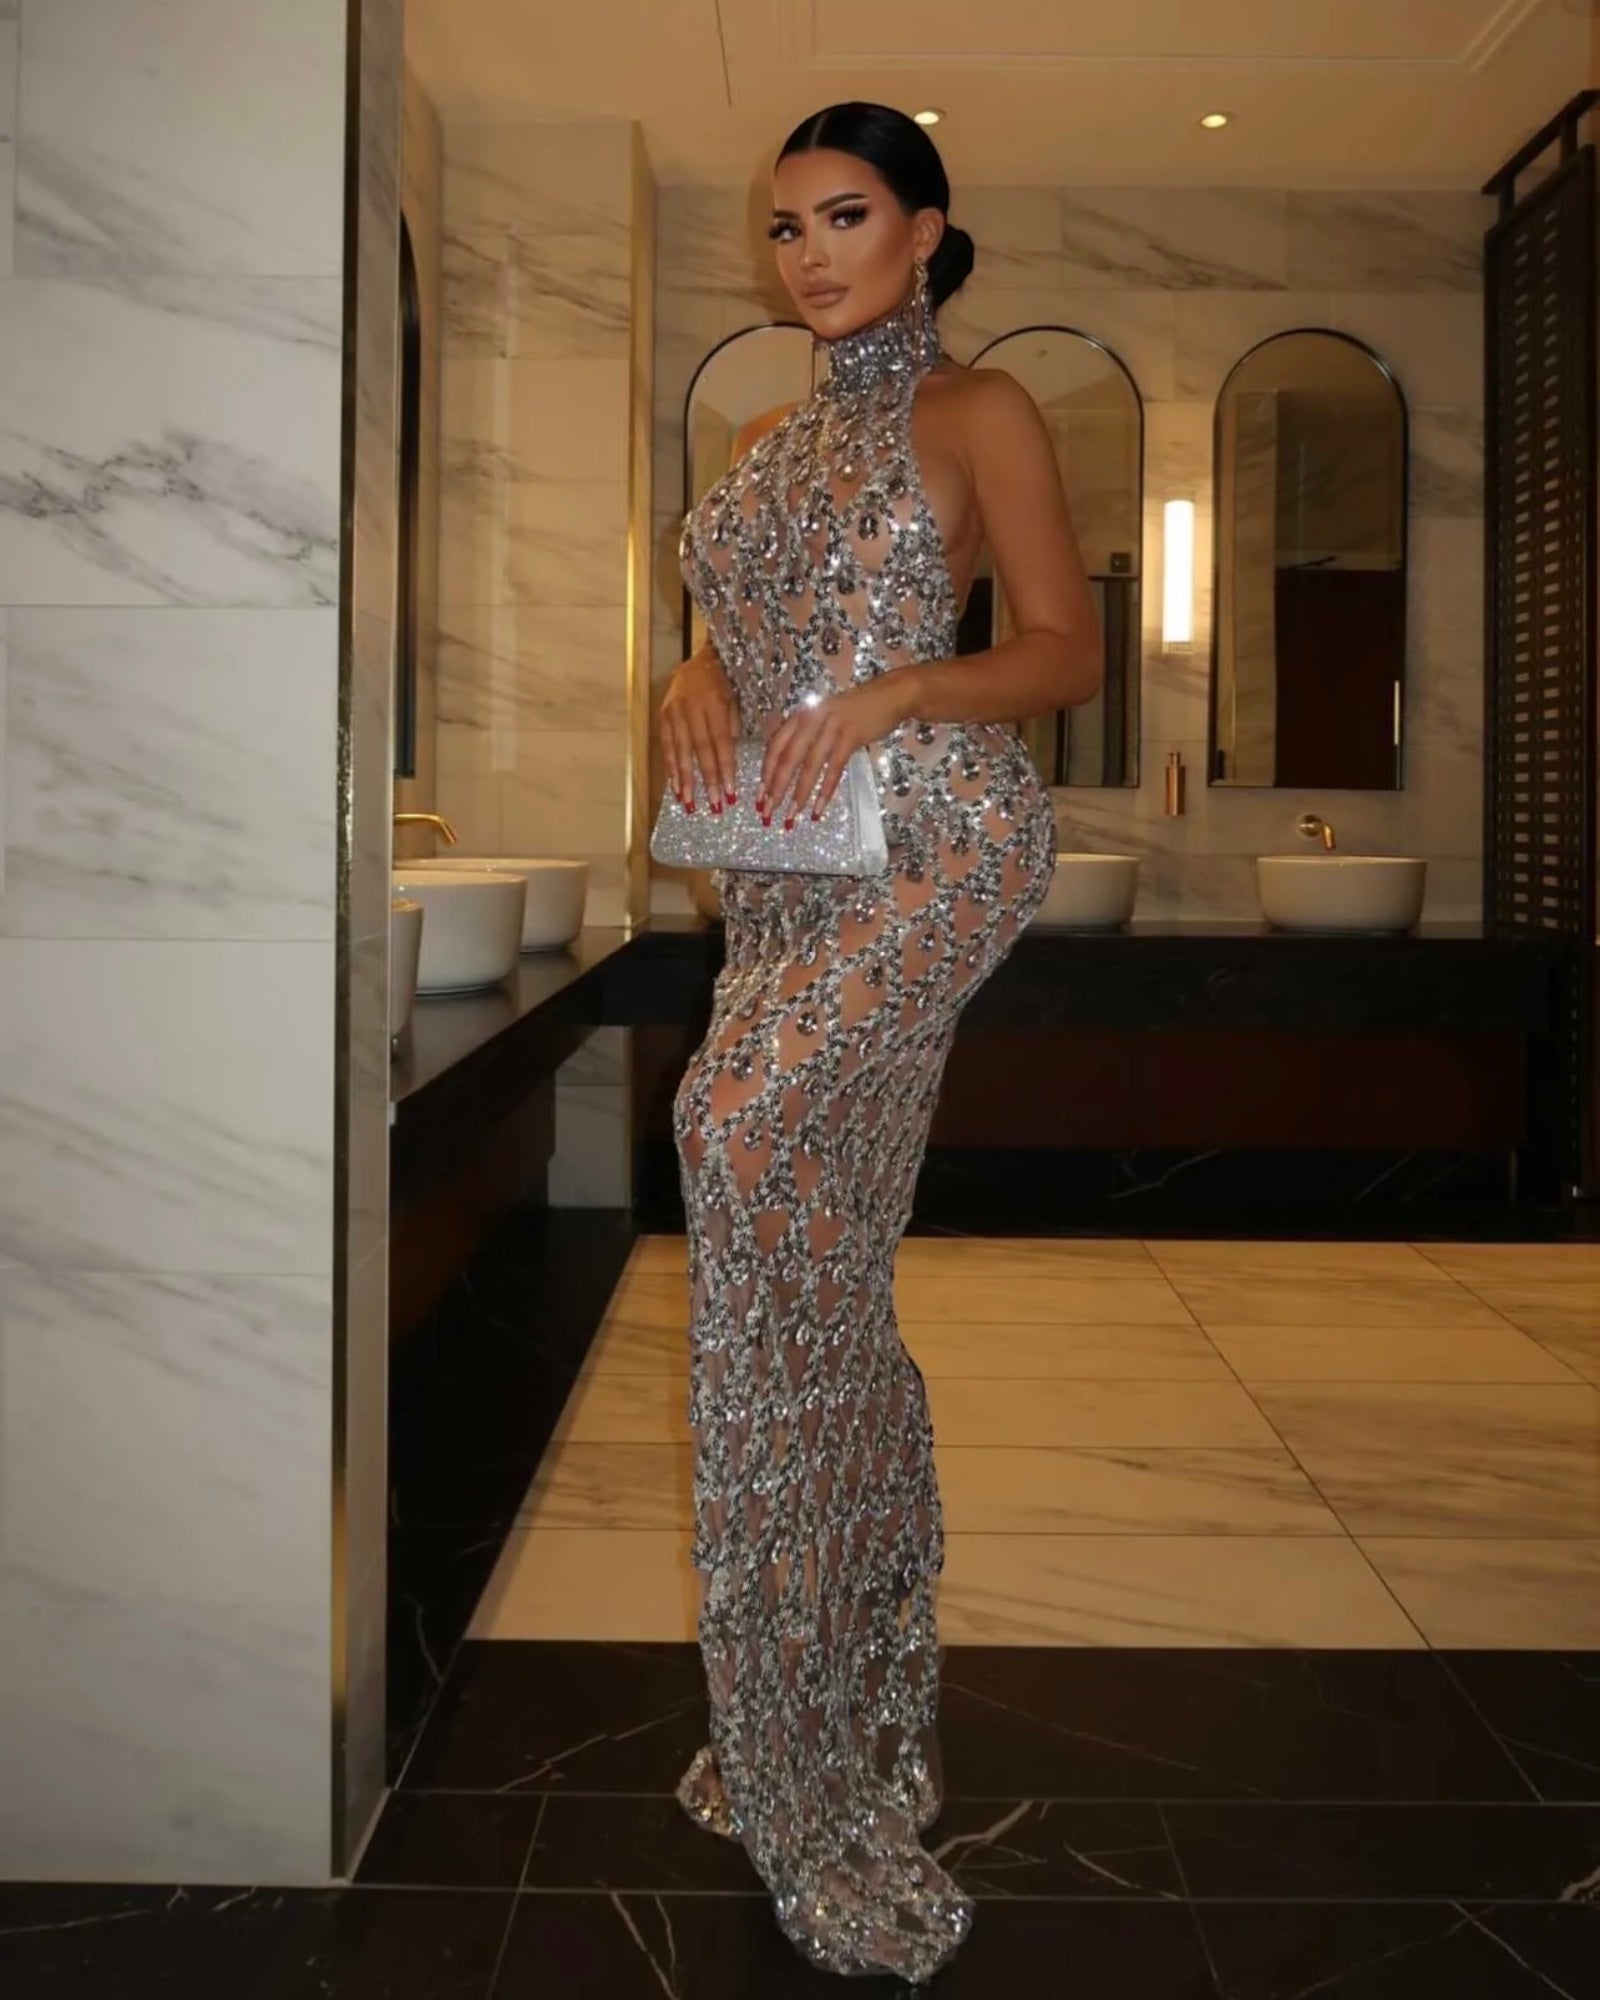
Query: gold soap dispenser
(1176, 783)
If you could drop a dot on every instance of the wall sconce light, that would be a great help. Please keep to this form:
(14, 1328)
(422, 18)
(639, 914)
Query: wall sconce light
(1177, 576)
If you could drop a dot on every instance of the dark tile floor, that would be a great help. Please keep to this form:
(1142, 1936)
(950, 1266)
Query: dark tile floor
(1149, 1825)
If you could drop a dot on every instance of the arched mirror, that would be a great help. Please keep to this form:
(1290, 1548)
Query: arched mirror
(1093, 411)
(1308, 648)
(744, 377)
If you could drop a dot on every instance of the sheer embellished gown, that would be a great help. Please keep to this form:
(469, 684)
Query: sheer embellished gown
(801, 1123)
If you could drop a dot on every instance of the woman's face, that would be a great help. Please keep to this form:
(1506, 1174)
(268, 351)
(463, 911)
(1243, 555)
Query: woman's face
(845, 245)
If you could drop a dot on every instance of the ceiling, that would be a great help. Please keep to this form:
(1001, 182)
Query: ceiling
(1324, 93)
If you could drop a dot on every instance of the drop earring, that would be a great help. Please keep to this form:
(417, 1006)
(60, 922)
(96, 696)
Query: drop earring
(921, 305)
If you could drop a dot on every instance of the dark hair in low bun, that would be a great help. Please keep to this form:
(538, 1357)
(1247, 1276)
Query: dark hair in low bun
(902, 152)
(950, 266)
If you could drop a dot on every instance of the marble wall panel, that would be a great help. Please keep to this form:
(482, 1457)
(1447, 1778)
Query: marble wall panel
(1432, 341)
(166, 1356)
(1379, 242)
(712, 244)
(170, 441)
(573, 176)
(469, 793)
(1447, 463)
(166, 1105)
(156, 775)
(171, 446)
(512, 537)
(166, 1782)
(1214, 330)
(541, 472)
(519, 667)
(5, 675)
(1018, 231)
(513, 292)
(1138, 327)
(10, 32)
(564, 793)
(201, 137)
(371, 751)
(1179, 239)
(367, 1155)
(556, 421)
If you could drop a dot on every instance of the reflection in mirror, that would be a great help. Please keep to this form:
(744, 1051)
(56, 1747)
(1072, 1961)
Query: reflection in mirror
(747, 376)
(1308, 652)
(1092, 409)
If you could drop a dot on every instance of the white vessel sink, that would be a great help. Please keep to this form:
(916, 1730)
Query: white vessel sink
(405, 943)
(471, 928)
(1341, 892)
(1090, 892)
(553, 911)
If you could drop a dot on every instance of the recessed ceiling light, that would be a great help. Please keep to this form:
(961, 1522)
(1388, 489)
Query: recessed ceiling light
(1214, 121)
(931, 116)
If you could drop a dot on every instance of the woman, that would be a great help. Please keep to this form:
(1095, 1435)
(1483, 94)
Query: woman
(830, 566)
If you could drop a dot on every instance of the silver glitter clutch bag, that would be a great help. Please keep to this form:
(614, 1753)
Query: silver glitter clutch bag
(847, 840)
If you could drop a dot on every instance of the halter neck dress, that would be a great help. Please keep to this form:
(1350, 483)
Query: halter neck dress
(801, 1123)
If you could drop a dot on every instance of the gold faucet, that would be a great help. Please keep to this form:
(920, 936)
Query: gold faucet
(1315, 827)
(436, 820)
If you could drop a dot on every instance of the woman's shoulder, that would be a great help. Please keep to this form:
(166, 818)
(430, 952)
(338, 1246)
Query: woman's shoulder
(757, 428)
(985, 391)
(981, 405)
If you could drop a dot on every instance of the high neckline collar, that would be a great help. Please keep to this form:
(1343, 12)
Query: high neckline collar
(901, 347)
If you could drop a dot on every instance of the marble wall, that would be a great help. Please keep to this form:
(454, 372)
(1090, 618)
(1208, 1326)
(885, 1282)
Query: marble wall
(192, 939)
(533, 723)
(1179, 282)
(548, 364)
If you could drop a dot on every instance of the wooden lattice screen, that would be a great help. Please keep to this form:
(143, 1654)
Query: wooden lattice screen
(1540, 507)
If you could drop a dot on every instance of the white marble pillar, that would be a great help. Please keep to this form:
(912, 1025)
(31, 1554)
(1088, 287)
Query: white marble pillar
(193, 749)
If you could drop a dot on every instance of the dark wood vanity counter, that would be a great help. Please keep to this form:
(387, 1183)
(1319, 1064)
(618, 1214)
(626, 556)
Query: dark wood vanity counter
(1446, 994)
(1169, 974)
(1157, 974)
(1223, 1040)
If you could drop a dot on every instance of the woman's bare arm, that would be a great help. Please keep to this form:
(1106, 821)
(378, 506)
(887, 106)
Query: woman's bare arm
(1053, 658)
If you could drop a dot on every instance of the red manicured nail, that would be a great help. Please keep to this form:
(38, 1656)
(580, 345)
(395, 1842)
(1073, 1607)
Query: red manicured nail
(716, 807)
(688, 805)
(733, 798)
(788, 826)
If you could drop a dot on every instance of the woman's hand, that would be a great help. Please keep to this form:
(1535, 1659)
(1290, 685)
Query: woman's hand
(698, 721)
(807, 753)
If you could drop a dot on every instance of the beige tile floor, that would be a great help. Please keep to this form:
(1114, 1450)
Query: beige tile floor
(1154, 1444)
